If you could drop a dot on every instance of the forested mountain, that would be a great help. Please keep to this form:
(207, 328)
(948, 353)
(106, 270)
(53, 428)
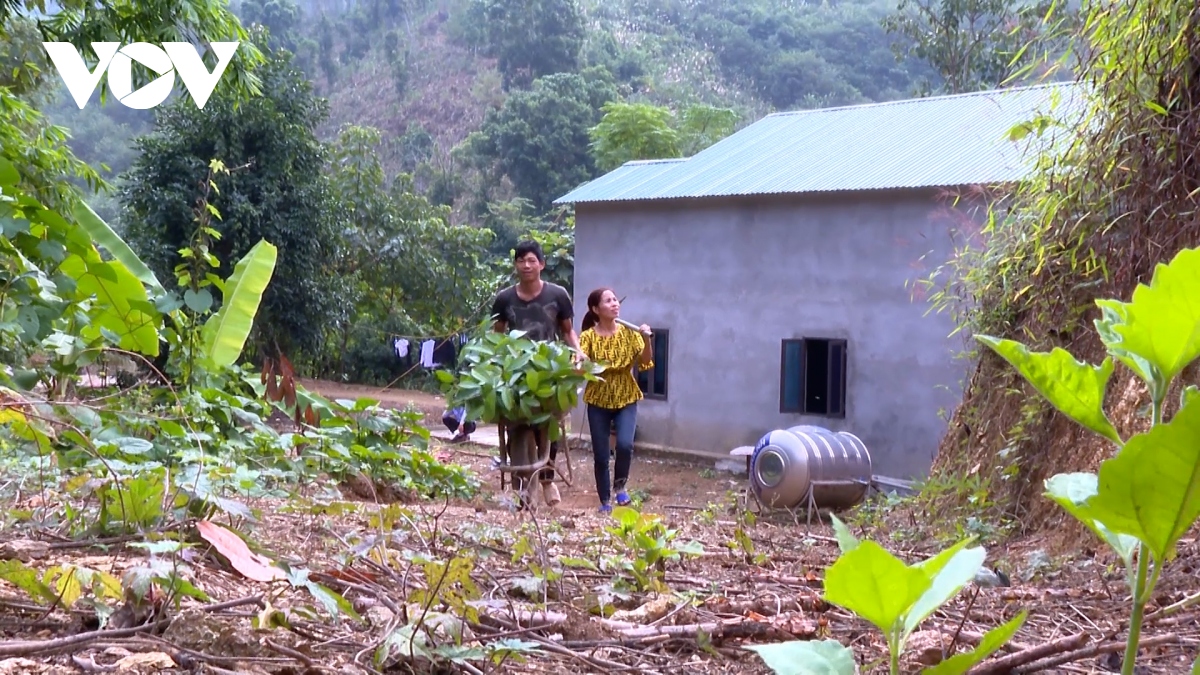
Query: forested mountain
(427, 73)
(401, 147)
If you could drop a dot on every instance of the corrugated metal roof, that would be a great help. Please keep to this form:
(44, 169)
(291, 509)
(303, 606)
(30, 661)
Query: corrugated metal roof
(927, 142)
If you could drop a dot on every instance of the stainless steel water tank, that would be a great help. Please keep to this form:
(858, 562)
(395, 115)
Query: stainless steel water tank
(789, 463)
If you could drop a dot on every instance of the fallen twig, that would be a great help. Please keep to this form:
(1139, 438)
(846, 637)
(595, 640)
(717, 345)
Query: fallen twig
(973, 638)
(608, 666)
(527, 619)
(766, 606)
(288, 651)
(726, 628)
(787, 580)
(230, 604)
(47, 647)
(1173, 608)
(1090, 651)
(1004, 664)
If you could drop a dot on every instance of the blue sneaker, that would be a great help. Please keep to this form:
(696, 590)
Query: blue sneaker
(606, 508)
(623, 499)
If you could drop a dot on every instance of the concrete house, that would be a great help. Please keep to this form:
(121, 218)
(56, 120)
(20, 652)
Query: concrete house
(778, 269)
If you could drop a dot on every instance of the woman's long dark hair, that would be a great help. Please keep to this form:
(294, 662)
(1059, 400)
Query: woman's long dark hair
(591, 318)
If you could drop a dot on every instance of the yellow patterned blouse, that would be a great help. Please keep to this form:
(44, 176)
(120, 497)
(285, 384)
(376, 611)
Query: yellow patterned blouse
(618, 352)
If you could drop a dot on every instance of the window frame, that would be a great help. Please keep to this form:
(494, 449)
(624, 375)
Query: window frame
(802, 409)
(660, 361)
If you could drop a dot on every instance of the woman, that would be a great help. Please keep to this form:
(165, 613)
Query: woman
(612, 401)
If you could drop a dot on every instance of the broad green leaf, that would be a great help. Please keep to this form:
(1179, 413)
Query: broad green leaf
(806, 657)
(226, 331)
(1113, 313)
(948, 572)
(113, 287)
(8, 173)
(1162, 321)
(68, 583)
(845, 538)
(26, 578)
(993, 640)
(1196, 667)
(626, 516)
(104, 236)
(198, 301)
(1189, 392)
(332, 601)
(875, 585)
(182, 586)
(1075, 388)
(1072, 492)
(1151, 489)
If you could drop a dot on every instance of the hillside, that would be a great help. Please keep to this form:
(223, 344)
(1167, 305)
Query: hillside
(426, 73)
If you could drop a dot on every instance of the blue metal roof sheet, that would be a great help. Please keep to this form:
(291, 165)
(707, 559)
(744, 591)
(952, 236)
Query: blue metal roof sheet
(928, 142)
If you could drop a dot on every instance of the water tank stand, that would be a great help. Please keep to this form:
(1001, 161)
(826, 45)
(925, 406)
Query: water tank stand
(810, 502)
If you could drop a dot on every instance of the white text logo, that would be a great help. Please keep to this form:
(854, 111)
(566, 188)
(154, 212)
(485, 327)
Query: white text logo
(117, 61)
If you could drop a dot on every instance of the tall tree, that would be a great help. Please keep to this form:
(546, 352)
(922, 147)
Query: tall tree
(282, 197)
(531, 38)
(539, 138)
(974, 44)
(53, 271)
(632, 131)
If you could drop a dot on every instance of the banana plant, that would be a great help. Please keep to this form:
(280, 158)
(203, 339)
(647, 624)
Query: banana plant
(224, 333)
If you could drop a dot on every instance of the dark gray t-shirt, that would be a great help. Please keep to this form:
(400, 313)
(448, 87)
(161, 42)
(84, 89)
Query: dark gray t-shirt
(540, 317)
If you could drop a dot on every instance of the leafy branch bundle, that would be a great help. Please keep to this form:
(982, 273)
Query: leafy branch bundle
(507, 377)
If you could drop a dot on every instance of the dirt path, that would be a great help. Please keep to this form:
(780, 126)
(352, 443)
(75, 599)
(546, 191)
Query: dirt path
(430, 404)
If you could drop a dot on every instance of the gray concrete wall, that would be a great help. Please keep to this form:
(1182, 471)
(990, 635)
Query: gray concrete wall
(731, 278)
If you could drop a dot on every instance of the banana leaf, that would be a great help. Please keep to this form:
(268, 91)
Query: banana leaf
(226, 331)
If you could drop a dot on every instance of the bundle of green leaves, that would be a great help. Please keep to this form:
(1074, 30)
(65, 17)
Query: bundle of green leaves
(507, 377)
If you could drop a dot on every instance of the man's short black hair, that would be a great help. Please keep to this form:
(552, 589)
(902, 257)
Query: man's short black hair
(526, 247)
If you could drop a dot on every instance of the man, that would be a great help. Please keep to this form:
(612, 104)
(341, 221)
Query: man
(456, 421)
(545, 312)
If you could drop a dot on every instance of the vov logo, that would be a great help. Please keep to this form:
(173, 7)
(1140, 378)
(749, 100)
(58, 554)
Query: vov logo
(117, 61)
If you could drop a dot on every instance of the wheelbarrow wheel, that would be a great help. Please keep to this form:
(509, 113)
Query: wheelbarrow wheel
(522, 451)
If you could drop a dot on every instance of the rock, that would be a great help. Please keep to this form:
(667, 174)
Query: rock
(146, 662)
(20, 665)
(734, 466)
(926, 647)
(651, 611)
(1035, 561)
(379, 616)
(24, 550)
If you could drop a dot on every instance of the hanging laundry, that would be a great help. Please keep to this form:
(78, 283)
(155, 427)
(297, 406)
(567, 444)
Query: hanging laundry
(427, 354)
(444, 354)
(401, 345)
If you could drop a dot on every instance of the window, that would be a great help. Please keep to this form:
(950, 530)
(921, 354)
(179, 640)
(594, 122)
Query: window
(653, 382)
(812, 378)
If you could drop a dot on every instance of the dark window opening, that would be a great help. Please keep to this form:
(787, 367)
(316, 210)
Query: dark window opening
(812, 378)
(653, 382)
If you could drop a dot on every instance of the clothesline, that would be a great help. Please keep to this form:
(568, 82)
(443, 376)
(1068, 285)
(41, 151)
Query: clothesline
(434, 339)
